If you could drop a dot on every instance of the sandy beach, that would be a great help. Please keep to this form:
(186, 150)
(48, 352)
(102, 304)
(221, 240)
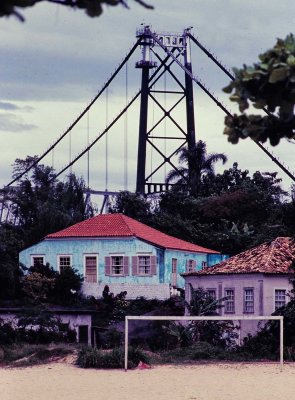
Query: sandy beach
(63, 381)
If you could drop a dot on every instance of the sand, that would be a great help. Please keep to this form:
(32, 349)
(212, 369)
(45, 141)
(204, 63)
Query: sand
(63, 381)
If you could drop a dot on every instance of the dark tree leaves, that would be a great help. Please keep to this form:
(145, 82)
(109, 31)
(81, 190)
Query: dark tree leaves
(269, 85)
(93, 8)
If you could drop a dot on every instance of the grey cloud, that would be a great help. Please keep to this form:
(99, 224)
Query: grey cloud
(13, 123)
(4, 105)
(8, 106)
(38, 78)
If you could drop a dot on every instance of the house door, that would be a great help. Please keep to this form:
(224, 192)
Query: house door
(174, 272)
(83, 334)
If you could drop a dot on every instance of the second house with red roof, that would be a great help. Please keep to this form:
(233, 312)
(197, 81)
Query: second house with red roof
(124, 254)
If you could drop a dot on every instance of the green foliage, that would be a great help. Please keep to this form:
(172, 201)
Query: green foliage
(201, 304)
(217, 333)
(233, 212)
(35, 325)
(268, 84)
(24, 354)
(42, 284)
(195, 352)
(93, 8)
(90, 357)
(11, 242)
(67, 286)
(194, 164)
(131, 204)
(42, 204)
(109, 339)
(7, 333)
(37, 288)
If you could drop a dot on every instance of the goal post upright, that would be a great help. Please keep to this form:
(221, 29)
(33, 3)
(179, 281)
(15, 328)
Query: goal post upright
(205, 318)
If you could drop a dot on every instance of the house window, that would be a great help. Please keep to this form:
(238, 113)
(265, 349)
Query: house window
(117, 265)
(280, 298)
(229, 304)
(64, 261)
(248, 300)
(144, 265)
(37, 260)
(90, 263)
(191, 265)
(204, 264)
(211, 294)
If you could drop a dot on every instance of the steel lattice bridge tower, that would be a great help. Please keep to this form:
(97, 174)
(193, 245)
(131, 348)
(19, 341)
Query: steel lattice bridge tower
(164, 56)
(179, 45)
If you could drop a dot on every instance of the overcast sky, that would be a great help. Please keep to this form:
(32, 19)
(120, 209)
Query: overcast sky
(54, 64)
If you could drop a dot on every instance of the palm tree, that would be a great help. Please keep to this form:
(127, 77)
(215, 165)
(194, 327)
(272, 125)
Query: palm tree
(194, 164)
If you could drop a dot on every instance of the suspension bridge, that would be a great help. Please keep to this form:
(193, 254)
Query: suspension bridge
(111, 144)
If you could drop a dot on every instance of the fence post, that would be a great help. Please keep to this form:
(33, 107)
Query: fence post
(282, 342)
(126, 343)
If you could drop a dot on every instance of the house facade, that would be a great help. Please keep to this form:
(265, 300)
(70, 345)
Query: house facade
(122, 253)
(253, 283)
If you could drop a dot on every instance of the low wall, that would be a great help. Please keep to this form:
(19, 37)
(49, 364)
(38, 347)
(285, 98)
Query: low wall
(159, 291)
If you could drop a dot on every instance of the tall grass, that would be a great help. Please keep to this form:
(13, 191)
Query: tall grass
(89, 357)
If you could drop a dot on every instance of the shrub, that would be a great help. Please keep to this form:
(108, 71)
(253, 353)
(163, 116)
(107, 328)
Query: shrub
(27, 354)
(7, 333)
(110, 338)
(198, 351)
(90, 357)
(67, 286)
(36, 325)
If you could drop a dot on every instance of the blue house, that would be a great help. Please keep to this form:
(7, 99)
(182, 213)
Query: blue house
(124, 254)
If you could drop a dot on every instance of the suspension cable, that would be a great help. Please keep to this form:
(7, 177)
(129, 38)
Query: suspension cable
(80, 116)
(219, 104)
(98, 137)
(107, 142)
(218, 63)
(70, 149)
(88, 154)
(126, 131)
(162, 63)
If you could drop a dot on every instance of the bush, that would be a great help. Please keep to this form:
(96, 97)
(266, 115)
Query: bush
(67, 286)
(198, 351)
(37, 326)
(7, 333)
(90, 357)
(110, 338)
(25, 354)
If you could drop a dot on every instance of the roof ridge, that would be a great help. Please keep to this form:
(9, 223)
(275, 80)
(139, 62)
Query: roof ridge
(270, 254)
(123, 217)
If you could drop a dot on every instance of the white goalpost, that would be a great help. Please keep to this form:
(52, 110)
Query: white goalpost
(206, 318)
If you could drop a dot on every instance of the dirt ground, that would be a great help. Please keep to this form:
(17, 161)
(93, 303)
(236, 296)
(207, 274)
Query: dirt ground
(63, 381)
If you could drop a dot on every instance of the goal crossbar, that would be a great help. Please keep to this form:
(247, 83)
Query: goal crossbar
(205, 318)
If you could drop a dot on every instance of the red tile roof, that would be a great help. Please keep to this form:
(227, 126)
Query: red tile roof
(273, 257)
(119, 225)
